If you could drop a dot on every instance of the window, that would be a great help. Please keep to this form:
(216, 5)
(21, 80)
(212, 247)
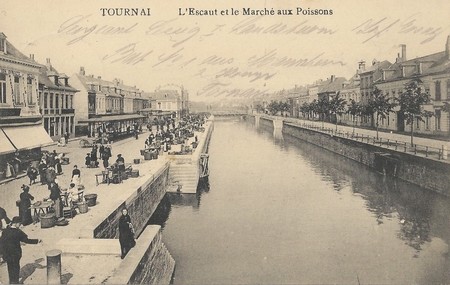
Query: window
(46, 123)
(448, 89)
(438, 91)
(67, 101)
(427, 122)
(45, 100)
(2, 88)
(437, 118)
(16, 90)
(56, 101)
(51, 100)
(30, 90)
(417, 123)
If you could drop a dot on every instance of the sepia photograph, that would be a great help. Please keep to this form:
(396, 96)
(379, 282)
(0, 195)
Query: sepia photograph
(224, 142)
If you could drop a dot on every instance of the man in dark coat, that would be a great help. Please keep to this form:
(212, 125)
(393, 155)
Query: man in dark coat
(12, 252)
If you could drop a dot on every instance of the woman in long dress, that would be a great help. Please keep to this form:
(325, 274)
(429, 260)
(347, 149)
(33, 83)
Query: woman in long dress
(25, 203)
(126, 233)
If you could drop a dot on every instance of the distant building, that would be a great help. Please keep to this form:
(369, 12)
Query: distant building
(104, 106)
(21, 130)
(330, 87)
(56, 102)
(350, 91)
(296, 97)
(168, 101)
(433, 71)
(368, 76)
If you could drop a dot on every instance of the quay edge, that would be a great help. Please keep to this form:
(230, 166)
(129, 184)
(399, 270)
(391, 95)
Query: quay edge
(431, 174)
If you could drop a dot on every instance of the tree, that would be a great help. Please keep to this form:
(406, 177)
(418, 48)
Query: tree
(273, 107)
(314, 108)
(336, 106)
(284, 107)
(355, 109)
(305, 109)
(379, 105)
(411, 104)
(259, 108)
(322, 108)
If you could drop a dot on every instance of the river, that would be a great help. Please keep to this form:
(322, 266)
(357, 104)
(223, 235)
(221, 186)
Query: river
(279, 210)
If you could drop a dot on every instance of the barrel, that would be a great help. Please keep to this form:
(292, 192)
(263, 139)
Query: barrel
(48, 220)
(83, 207)
(147, 155)
(91, 199)
(135, 173)
(136, 161)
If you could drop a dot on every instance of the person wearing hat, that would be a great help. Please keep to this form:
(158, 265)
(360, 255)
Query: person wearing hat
(120, 162)
(10, 246)
(76, 175)
(87, 160)
(24, 206)
(55, 196)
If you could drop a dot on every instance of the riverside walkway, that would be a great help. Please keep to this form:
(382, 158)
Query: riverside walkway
(427, 147)
(75, 268)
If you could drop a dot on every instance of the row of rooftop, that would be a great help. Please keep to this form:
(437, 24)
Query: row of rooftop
(377, 73)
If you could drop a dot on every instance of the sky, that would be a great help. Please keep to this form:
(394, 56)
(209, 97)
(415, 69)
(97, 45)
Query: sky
(232, 53)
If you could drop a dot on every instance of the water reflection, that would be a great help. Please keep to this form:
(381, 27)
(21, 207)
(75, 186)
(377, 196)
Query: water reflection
(287, 212)
(162, 212)
(386, 197)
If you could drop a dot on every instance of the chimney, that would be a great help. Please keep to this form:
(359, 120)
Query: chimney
(403, 53)
(99, 77)
(333, 77)
(48, 62)
(32, 57)
(82, 71)
(447, 48)
(362, 65)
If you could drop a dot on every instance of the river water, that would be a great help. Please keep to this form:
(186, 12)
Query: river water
(279, 210)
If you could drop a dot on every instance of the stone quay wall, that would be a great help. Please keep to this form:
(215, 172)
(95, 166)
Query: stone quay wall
(148, 263)
(428, 173)
(141, 205)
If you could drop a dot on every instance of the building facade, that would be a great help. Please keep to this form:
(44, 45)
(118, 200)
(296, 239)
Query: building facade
(168, 101)
(433, 73)
(106, 107)
(21, 131)
(56, 98)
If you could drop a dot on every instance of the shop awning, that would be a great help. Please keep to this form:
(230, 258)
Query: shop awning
(27, 137)
(113, 118)
(5, 144)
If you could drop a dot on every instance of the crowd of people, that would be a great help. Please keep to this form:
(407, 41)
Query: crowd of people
(168, 133)
(50, 167)
(104, 152)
